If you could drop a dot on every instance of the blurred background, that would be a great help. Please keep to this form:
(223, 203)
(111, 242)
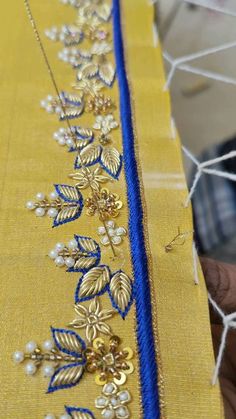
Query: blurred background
(204, 110)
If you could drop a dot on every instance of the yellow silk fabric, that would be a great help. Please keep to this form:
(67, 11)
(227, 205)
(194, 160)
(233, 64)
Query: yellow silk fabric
(36, 295)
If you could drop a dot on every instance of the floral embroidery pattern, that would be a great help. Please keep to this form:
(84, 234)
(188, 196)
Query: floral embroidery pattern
(67, 357)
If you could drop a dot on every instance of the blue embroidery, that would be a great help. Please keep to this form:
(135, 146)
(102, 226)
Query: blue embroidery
(52, 387)
(79, 300)
(95, 254)
(66, 350)
(117, 174)
(146, 344)
(70, 410)
(78, 204)
(125, 312)
(78, 161)
(80, 137)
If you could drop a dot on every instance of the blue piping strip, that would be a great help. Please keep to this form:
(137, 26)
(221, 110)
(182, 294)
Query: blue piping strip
(145, 337)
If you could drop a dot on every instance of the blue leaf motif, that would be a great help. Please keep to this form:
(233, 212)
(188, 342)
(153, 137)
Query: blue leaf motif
(66, 377)
(68, 342)
(86, 412)
(91, 254)
(94, 283)
(121, 292)
(72, 211)
(84, 137)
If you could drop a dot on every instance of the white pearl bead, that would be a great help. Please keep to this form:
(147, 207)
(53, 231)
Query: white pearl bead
(101, 401)
(105, 240)
(73, 244)
(48, 370)
(108, 414)
(122, 412)
(30, 347)
(110, 224)
(56, 136)
(49, 108)
(53, 195)
(62, 141)
(18, 357)
(48, 345)
(49, 97)
(43, 103)
(101, 230)
(58, 109)
(111, 232)
(30, 368)
(40, 196)
(30, 205)
(40, 212)
(121, 231)
(59, 261)
(53, 254)
(62, 130)
(116, 240)
(69, 262)
(50, 416)
(52, 212)
(109, 388)
(70, 143)
(59, 247)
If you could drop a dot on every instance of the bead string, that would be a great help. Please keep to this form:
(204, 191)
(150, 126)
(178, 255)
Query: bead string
(42, 49)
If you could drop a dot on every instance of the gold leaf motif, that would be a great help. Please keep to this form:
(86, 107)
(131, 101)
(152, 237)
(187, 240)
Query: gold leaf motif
(68, 376)
(66, 214)
(80, 415)
(72, 113)
(88, 70)
(70, 192)
(107, 73)
(101, 48)
(110, 159)
(94, 281)
(85, 132)
(68, 341)
(121, 290)
(73, 99)
(103, 11)
(87, 244)
(90, 154)
(85, 262)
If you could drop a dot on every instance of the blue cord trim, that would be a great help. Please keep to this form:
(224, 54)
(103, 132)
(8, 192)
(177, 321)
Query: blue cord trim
(80, 300)
(70, 410)
(65, 350)
(96, 254)
(125, 312)
(146, 344)
(52, 388)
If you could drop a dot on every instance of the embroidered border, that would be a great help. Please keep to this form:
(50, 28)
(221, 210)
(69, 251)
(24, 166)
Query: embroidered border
(146, 344)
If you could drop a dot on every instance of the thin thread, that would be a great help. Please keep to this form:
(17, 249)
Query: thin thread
(203, 168)
(176, 62)
(212, 7)
(195, 264)
(38, 38)
(229, 322)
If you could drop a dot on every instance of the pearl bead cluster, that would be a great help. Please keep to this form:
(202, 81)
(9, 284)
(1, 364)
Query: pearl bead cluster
(73, 3)
(30, 354)
(52, 104)
(64, 138)
(115, 234)
(68, 34)
(62, 255)
(42, 205)
(71, 56)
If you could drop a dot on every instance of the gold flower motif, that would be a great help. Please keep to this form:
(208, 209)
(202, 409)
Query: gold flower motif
(105, 203)
(89, 87)
(110, 362)
(85, 178)
(92, 319)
